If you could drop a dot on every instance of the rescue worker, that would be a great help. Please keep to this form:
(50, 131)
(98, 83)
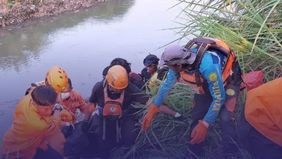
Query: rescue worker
(118, 61)
(76, 106)
(114, 118)
(137, 80)
(211, 69)
(35, 133)
(260, 129)
(151, 63)
(73, 101)
(134, 78)
(57, 78)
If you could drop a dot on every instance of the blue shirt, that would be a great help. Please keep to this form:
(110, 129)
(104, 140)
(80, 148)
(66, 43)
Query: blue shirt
(211, 70)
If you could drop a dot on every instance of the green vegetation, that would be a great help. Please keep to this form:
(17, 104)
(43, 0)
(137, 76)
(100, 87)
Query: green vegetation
(253, 29)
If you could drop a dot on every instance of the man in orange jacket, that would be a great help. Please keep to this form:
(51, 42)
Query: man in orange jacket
(35, 133)
(261, 125)
(68, 99)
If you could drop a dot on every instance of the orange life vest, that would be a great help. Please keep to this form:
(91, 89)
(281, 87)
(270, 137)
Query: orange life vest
(112, 109)
(202, 45)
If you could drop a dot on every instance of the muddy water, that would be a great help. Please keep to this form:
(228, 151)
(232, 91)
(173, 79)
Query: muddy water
(83, 43)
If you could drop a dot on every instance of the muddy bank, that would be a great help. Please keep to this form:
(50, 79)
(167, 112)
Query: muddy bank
(24, 11)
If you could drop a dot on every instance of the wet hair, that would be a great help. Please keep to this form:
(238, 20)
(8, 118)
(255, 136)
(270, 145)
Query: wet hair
(44, 95)
(118, 61)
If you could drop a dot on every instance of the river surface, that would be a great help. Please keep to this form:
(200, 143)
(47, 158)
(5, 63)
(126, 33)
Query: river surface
(83, 43)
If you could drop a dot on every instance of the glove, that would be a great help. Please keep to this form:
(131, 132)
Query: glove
(199, 133)
(149, 116)
(66, 116)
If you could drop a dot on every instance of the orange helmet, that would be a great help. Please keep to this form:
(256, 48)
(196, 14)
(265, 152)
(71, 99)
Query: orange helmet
(57, 78)
(117, 77)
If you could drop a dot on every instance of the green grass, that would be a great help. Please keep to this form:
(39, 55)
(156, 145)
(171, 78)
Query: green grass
(253, 29)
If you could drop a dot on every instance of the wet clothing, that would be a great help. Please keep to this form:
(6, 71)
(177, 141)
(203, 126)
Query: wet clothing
(30, 131)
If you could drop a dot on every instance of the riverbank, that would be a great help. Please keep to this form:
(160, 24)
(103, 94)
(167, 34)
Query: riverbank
(21, 12)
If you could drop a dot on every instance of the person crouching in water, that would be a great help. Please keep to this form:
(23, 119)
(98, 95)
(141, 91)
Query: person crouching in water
(35, 133)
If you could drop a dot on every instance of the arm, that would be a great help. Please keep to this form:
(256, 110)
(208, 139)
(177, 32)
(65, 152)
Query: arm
(165, 87)
(94, 94)
(153, 108)
(211, 71)
(80, 102)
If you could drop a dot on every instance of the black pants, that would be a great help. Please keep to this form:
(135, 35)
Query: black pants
(108, 141)
(87, 139)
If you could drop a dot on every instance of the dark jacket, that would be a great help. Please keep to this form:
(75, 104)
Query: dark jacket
(132, 95)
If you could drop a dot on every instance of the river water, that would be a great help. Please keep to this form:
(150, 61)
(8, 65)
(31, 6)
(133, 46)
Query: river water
(83, 43)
